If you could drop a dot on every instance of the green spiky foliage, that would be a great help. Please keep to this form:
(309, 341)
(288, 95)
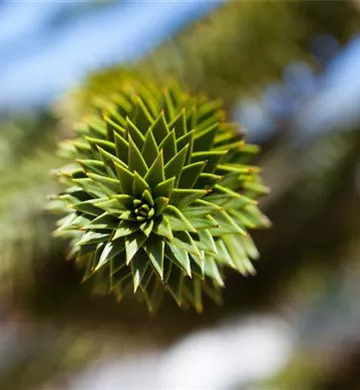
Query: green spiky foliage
(161, 196)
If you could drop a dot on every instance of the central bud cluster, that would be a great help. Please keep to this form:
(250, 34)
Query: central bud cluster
(142, 210)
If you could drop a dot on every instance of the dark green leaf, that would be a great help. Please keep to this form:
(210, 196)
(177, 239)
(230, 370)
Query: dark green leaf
(136, 161)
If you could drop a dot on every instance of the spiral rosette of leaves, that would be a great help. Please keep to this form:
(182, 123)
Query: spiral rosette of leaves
(160, 196)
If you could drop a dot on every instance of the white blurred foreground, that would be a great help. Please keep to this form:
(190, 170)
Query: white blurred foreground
(240, 354)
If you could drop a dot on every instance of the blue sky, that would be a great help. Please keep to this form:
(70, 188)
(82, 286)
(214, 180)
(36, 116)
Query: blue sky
(48, 47)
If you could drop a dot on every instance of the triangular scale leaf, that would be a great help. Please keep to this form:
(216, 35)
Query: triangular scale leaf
(133, 243)
(136, 161)
(207, 180)
(156, 172)
(186, 139)
(147, 227)
(106, 145)
(122, 148)
(111, 249)
(162, 227)
(125, 201)
(204, 140)
(179, 124)
(106, 221)
(190, 174)
(88, 207)
(237, 253)
(150, 149)
(147, 197)
(223, 254)
(206, 242)
(227, 225)
(89, 186)
(125, 228)
(92, 238)
(142, 117)
(184, 241)
(212, 157)
(174, 167)
(174, 284)
(135, 134)
(160, 204)
(177, 219)
(126, 178)
(169, 108)
(164, 188)
(93, 166)
(139, 186)
(168, 146)
(111, 184)
(182, 198)
(112, 206)
(139, 265)
(205, 222)
(160, 128)
(178, 256)
(211, 270)
(154, 248)
(201, 207)
(109, 161)
(114, 125)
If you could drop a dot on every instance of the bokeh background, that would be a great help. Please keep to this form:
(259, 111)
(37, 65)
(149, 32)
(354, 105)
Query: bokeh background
(289, 73)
